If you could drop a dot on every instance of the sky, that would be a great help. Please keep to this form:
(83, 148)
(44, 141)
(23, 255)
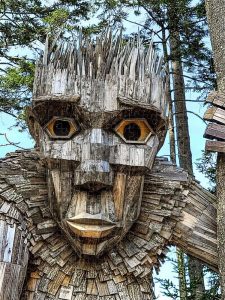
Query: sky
(196, 128)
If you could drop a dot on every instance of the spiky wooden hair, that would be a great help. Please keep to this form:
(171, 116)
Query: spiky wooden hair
(102, 70)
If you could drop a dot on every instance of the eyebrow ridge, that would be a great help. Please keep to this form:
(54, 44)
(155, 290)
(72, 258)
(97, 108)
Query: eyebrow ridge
(137, 103)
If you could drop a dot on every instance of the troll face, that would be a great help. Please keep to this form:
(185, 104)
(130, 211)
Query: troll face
(99, 128)
(96, 166)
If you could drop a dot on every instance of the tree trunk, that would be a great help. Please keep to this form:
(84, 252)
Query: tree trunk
(169, 99)
(181, 274)
(195, 270)
(216, 19)
(179, 253)
(183, 139)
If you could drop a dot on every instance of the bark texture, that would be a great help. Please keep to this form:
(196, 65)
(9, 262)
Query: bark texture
(169, 99)
(183, 141)
(183, 138)
(216, 19)
(181, 274)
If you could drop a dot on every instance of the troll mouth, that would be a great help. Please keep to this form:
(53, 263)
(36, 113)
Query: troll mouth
(91, 226)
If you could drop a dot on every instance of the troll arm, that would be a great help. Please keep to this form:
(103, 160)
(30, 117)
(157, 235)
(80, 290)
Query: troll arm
(195, 232)
(180, 212)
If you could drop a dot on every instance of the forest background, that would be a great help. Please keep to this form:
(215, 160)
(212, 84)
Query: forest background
(179, 30)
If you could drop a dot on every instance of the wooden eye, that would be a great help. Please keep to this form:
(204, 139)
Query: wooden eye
(134, 130)
(61, 128)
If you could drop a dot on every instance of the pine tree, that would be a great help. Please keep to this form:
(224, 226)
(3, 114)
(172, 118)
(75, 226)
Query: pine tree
(23, 25)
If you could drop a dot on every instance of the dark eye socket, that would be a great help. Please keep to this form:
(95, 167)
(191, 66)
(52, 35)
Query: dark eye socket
(61, 128)
(132, 132)
(136, 130)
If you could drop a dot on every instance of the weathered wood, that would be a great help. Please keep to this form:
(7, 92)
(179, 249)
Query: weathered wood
(92, 205)
(215, 146)
(119, 190)
(215, 114)
(217, 99)
(65, 98)
(100, 74)
(195, 231)
(214, 130)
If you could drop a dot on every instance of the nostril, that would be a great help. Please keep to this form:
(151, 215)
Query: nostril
(94, 186)
(94, 166)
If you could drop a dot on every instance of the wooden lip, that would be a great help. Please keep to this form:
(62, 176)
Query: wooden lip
(88, 219)
(90, 231)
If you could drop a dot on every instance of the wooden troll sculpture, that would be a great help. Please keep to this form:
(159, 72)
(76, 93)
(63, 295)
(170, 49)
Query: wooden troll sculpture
(90, 211)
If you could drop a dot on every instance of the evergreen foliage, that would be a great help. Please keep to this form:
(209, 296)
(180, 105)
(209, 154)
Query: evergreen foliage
(171, 290)
(207, 166)
(24, 25)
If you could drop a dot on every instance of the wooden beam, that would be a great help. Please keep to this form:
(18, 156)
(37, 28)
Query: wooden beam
(216, 98)
(215, 146)
(214, 130)
(215, 114)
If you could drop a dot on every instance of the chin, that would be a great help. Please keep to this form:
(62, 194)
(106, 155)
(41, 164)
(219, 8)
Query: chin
(93, 240)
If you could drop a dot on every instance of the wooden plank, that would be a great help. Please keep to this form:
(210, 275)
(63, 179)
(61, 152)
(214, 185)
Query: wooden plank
(10, 273)
(216, 98)
(3, 230)
(55, 284)
(102, 288)
(9, 243)
(66, 293)
(92, 287)
(31, 284)
(112, 287)
(214, 130)
(215, 146)
(118, 194)
(136, 103)
(215, 114)
(64, 98)
(46, 226)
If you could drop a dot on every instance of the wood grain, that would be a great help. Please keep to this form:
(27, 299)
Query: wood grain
(174, 210)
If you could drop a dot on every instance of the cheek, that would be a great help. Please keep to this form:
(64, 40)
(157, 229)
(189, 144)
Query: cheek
(151, 151)
(133, 197)
(138, 157)
(60, 191)
(64, 150)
